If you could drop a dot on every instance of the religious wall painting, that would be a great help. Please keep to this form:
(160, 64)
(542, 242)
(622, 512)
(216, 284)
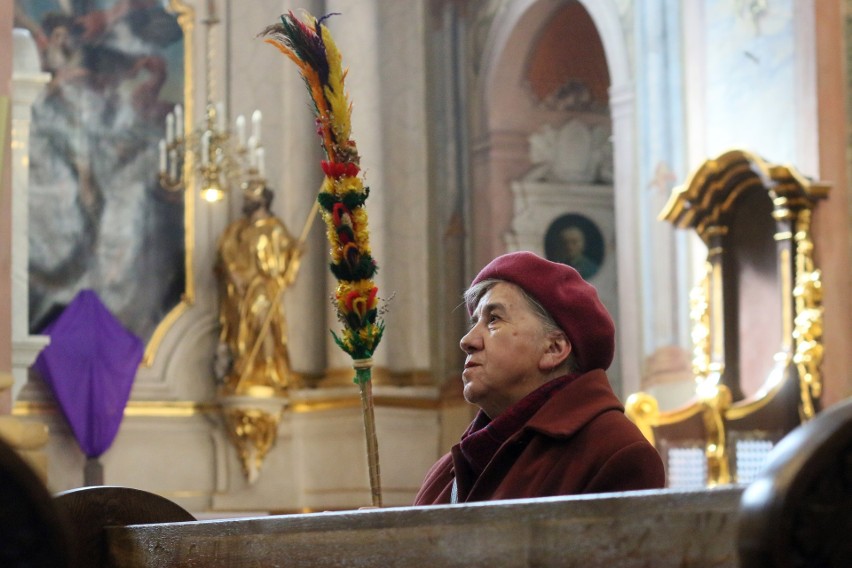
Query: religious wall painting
(577, 241)
(98, 217)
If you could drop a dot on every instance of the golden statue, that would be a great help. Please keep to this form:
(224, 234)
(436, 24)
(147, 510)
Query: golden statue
(257, 261)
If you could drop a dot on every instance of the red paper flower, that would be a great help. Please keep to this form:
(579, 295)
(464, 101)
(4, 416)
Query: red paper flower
(338, 170)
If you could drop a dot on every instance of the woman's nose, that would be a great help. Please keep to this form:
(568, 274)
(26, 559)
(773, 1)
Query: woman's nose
(471, 340)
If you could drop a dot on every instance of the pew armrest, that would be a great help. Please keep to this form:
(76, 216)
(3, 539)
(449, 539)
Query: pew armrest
(798, 512)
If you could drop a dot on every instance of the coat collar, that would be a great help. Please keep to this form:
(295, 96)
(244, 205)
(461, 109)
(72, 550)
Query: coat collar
(575, 405)
(567, 411)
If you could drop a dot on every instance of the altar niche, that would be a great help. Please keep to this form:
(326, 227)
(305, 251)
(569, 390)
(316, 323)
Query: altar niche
(563, 208)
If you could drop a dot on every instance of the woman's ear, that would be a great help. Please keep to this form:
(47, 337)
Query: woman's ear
(556, 351)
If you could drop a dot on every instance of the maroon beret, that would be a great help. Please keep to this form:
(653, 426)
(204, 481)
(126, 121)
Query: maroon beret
(572, 302)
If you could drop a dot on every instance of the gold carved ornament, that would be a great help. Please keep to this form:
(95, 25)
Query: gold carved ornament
(253, 431)
(701, 205)
(713, 397)
(258, 260)
(808, 326)
(186, 20)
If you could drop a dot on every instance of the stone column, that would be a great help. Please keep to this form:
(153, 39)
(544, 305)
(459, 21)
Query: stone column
(28, 439)
(660, 164)
(27, 82)
(383, 45)
(5, 209)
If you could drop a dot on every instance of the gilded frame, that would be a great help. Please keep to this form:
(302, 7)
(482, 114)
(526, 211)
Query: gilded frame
(186, 19)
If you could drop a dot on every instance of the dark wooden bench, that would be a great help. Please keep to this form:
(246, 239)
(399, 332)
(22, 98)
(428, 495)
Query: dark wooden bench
(94, 510)
(798, 513)
(33, 531)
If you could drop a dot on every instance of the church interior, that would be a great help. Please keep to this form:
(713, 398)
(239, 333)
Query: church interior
(169, 320)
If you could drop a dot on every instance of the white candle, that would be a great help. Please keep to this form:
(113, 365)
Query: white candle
(173, 164)
(261, 162)
(252, 151)
(205, 148)
(241, 131)
(220, 117)
(170, 128)
(179, 121)
(255, 125)
(162, 156)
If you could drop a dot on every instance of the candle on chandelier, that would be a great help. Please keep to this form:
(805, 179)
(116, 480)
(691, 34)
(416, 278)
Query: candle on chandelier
(260, 156)
(252, 152)
(205, 148)
(162, 156)
(170, 128)
(255, 125)
(220, 117)
(241, 131)
(173, 164)
(178, 121)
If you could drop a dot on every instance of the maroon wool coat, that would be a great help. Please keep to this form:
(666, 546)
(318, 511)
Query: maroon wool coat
(579, 441)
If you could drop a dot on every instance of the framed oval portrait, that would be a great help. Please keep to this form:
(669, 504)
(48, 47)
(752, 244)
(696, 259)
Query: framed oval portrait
(575, 240)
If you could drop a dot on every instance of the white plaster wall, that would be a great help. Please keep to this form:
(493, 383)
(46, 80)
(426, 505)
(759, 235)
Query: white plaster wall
(751, 81)
(167, 457)
(383, 44)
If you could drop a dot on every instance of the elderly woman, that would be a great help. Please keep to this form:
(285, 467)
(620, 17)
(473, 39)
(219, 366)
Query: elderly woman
(549, 423)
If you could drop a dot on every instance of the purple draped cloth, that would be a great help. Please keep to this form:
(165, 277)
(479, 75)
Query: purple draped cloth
(90, 365)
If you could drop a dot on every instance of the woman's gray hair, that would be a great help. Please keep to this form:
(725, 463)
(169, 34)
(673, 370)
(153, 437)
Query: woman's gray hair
(474, 294)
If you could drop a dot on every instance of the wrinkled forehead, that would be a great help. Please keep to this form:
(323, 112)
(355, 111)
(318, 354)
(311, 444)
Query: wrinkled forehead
(499, 293)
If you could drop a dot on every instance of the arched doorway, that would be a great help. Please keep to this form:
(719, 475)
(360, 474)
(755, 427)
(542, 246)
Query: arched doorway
(553, 74)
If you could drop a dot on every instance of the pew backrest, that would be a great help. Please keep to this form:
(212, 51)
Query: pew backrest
(798, 513)
(94, 509)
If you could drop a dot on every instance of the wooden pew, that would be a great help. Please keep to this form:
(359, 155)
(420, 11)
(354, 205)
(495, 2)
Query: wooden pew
(798, 513)
(655, 528)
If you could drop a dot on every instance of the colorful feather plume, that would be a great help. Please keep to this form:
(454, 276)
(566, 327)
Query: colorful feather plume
(342, 197)
(310, 46)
